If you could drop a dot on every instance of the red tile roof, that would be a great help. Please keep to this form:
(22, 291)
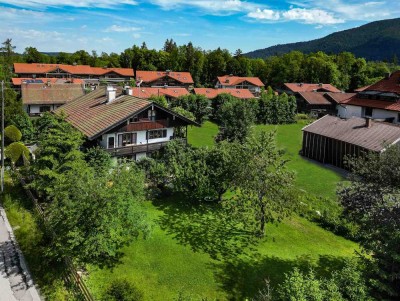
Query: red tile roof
(300, 87)
(37, 68)
(92, 115)
(354, 131)
(212, 93)
(373, 103)
(147, 92)
(230, 80)
(315, 98)
(50, 94)
(391, 84)
(17, 81)
(151, 76)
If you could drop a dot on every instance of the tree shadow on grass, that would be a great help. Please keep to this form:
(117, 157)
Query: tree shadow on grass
(242, 278)
(205, 227)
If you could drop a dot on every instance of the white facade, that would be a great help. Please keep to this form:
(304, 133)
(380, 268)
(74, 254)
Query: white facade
(40, 108)
(140, 138)
(348, 111)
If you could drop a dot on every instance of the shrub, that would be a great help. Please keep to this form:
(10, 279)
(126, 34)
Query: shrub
(122, 290)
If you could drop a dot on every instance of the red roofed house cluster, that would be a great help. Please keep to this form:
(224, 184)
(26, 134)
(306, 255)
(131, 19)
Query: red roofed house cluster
(254, 84)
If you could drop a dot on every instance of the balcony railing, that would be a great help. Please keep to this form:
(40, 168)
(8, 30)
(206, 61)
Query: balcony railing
(137, 148)
(145, 124)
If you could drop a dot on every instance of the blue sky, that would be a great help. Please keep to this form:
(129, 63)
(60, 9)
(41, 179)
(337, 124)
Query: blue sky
(112, 25)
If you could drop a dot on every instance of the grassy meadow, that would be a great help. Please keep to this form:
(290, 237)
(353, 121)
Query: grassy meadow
(193, 253)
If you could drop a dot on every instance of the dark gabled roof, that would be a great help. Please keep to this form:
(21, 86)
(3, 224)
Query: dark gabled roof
(315, 98)
(339, 97)
(354, 131)
(93, 116)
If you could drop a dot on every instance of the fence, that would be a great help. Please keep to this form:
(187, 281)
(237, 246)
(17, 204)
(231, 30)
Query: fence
(71, 274)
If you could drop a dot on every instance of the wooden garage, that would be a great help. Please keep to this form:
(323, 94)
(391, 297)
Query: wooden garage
(330, 139)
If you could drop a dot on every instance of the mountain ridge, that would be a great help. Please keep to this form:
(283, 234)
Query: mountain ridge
(378, 40)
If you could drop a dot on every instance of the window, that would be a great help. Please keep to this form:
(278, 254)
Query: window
(398, 117)
(155, 134)
(43, 109)
(111, 142)
(127, 138)
(368, 112)
(133, 119)
(152, 115)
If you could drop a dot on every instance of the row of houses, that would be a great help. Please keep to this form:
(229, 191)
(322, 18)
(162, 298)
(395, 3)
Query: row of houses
(45, 87)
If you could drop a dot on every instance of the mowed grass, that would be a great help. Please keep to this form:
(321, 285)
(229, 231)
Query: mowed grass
(177, 258)
(189, 253)
(311, 176)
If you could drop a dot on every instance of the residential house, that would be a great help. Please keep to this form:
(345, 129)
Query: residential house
(17, 81)
(378, 101)
(91, 75)
(212, 93)
(170, 93)
(124, 125)
(164, 79)
(320, 102)
(330, 139)
(294, 88)
(254, 84)
(38, 98)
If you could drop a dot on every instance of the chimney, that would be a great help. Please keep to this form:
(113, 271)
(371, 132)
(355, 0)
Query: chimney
(128, 90)
(368, 122)
(320, 84)
(111, 94)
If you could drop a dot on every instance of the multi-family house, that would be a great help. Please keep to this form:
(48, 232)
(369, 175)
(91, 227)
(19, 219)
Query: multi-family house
(254, 84)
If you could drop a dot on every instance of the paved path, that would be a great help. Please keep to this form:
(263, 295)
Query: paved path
(15, 281)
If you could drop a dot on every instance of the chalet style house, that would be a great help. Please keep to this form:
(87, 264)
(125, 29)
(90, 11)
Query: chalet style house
(254, 84)
(170, 93)
(38, 98)
(212, 93)
(380, 101)
(164, 79)
(88, 73)
(320, 102)
(330, 139)
(124, 125)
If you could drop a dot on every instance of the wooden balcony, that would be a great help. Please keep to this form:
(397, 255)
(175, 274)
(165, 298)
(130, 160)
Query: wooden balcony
(145, 124)
(137, 148)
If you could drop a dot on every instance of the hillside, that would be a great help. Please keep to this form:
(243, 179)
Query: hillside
(379, 40)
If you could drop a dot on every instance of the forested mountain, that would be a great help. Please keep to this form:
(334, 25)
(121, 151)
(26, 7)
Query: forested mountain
(379, 40)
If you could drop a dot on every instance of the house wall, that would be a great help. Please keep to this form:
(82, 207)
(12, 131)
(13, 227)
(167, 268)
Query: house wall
(329, 151)
(141, 138)
(357, 111)
(35, 109)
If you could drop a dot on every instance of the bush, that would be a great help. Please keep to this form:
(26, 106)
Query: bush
(122, 290)
(302, 116)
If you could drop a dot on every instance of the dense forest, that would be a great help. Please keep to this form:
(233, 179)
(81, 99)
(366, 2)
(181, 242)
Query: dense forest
(344, 70)
(379, 40)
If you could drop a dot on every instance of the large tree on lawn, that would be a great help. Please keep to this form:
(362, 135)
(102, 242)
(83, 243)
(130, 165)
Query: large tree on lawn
(263, 183)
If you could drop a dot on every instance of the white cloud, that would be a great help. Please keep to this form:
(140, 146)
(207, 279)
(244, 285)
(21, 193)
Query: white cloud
(215, 7)
(14, 15)
(81, 3)
(117, 28)
(310, 16)
(137, 35)
(265, 14)
(307, 16)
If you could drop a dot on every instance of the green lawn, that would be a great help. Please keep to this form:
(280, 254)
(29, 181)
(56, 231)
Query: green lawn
(178, 257)
(204, 135)
(311, 176)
